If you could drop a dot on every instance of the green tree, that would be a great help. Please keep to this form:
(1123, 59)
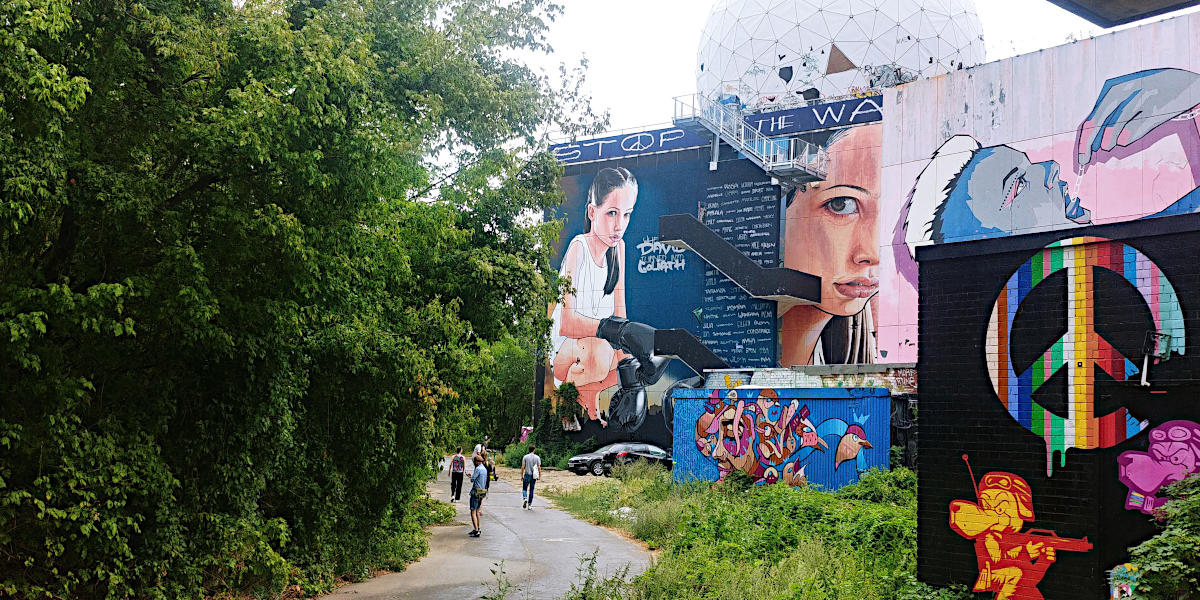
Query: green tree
(1168, 564)
(240, 305)
(508, 400)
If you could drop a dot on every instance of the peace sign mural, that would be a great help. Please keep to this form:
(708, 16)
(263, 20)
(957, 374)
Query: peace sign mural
(1081, 349)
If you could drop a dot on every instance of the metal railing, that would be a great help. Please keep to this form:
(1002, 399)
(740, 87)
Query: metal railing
(784, 155)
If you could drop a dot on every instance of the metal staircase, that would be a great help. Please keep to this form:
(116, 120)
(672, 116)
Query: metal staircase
(786, 158)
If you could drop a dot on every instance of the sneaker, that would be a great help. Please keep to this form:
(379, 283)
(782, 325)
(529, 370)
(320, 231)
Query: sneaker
(474, 533)
(524, 504)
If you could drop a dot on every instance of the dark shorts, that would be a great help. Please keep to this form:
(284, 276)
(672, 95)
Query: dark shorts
(476, 502)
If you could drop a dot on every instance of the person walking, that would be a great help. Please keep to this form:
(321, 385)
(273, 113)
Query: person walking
(478, 491)
(489, 463)
(481, 447)
(457, 465)
(531, 471)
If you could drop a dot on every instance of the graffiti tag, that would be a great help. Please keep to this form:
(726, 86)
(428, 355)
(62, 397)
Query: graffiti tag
(657, 257)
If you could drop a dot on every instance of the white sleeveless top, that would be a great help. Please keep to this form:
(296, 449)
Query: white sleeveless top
(588, 282)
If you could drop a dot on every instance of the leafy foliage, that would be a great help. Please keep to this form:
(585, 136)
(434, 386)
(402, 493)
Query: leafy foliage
(241, 306)
(769, 541)
(552, 443)
(1169, 562)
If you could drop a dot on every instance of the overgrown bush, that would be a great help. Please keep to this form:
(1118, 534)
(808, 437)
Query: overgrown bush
(732, 540)
(897, 486)
(1169, 562)
(553, 445)
(240, 306)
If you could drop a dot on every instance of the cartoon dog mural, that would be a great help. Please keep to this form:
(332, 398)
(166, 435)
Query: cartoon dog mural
(1173, 454)
(772, 439)
(1011, 562)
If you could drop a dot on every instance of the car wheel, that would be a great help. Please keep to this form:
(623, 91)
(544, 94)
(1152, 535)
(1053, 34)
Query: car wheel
(597, 468)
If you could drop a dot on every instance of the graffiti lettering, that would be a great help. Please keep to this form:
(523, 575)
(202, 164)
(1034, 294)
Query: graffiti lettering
(657, 140)
(829, 113)
(833, 114)
(652, 245)
(772, 439)
(660, 263)
(659, 257)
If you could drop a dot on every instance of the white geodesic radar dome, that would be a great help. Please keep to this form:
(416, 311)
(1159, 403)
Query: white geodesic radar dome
(767, 52)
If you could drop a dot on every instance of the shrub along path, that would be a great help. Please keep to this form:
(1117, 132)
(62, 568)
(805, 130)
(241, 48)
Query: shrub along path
(541, 550)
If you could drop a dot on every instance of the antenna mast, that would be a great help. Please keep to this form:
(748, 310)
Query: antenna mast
(972, 474)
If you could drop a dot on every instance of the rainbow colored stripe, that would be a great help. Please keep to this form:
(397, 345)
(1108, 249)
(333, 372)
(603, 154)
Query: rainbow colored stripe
(1081, 349)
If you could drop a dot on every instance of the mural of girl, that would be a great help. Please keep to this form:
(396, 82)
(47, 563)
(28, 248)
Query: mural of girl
(832, 230)
(593, 265)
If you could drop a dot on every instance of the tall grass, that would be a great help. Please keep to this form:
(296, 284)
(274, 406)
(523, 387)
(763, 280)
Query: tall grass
(733, 540)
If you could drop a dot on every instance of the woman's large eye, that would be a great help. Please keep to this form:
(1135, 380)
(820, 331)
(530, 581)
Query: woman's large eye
(842, 205)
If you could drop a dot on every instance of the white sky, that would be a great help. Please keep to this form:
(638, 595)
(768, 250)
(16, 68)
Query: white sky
(642, 53)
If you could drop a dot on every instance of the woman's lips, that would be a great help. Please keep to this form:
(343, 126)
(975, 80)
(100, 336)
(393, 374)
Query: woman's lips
(859, 287)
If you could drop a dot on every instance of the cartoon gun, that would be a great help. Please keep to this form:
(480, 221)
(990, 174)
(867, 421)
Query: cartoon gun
(1050, 539)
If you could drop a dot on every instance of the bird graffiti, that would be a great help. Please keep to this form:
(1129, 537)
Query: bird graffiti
(773, 439)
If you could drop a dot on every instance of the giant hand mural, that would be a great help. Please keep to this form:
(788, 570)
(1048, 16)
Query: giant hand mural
(968, 191)
(1073, 172)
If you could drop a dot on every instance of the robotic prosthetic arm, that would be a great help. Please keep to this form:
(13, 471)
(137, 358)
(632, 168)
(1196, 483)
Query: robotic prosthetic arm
(635, 373)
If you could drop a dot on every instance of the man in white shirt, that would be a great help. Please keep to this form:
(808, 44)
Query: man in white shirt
(531, 471)
(481, 447)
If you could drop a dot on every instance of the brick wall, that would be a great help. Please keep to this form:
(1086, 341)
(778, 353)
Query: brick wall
(898, 378)
(967, 346)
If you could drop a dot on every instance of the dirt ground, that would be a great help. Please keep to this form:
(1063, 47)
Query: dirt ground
(562, 481)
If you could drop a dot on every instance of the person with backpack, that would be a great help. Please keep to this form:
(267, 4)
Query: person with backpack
(479, 479)
(531, 471)
(457, 467)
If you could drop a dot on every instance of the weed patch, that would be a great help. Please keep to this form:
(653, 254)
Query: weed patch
(736, 540)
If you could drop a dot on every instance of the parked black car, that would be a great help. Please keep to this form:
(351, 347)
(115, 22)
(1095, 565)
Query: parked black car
(592, 462)
(635, 451)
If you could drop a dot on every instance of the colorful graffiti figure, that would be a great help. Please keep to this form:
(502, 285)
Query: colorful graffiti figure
(757, 433)
(1173, 454)
(1011, 562)
(1122, 581)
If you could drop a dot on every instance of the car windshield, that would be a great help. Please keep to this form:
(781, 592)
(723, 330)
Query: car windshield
(606, 448)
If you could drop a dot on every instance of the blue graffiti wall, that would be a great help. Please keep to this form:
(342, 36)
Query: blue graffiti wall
(821, 436)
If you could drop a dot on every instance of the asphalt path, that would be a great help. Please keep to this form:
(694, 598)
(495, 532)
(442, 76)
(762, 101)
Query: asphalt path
(540, 549)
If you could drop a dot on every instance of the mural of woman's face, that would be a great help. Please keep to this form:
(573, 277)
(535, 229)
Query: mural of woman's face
(611, 218)
(832, 227)
(1005, 191)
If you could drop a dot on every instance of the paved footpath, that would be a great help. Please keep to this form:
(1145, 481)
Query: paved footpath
(540, 549)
